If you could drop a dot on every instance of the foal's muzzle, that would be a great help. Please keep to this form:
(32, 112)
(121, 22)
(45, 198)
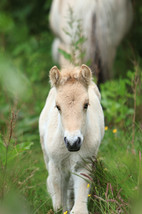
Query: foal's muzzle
(73, 146)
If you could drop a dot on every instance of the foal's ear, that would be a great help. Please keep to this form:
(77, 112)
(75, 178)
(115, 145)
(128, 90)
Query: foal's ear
(86, 74)
(54, 76)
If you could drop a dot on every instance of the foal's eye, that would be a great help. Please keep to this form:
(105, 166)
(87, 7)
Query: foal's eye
(58, 107)
(86, 105)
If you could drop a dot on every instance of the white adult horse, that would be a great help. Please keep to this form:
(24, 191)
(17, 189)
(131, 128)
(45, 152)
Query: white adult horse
(104, 24)
(71, 128)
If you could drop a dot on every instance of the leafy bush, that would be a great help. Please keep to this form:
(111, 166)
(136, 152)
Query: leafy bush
(118, 98)
(115, 96)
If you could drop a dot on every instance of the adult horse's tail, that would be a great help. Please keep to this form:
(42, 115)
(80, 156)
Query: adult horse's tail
(110, 22)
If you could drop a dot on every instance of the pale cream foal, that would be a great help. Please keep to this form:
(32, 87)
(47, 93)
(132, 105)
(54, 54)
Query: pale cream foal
(71, 128)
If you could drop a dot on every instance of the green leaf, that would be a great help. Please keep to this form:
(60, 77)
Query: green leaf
(6, 22)
(13, 150)
(65, 54)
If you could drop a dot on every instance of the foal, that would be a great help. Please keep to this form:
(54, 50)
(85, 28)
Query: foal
(71, 128)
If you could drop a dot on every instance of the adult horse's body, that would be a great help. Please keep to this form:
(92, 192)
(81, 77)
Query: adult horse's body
(104, 24)
(71, 129)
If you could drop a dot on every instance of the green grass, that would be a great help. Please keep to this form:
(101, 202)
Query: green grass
(117, 174)
(26, 177)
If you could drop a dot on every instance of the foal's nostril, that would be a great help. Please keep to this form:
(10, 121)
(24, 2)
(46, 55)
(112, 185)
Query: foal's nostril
(78, 142)
(65, 139)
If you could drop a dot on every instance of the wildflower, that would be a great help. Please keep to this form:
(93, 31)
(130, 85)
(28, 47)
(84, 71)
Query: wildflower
(106, 128)
(65, 212)
(89, 195)
(114, 131)
(88, 185)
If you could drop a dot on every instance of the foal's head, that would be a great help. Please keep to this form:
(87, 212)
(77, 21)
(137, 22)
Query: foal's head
(72, 102)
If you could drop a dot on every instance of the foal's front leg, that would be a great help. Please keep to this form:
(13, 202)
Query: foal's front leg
(54, 184)
(81, 192)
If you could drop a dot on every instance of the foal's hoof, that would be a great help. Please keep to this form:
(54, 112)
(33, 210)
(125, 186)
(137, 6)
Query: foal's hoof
(79, 211)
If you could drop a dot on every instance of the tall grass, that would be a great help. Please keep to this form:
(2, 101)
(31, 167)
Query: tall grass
(23, 175)
(117, 174)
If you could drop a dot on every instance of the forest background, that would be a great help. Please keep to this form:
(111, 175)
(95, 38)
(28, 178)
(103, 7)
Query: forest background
(25, 61)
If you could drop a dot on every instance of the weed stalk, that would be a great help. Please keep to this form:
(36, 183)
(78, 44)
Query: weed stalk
(77, 40)
(7, 142)
(135, 82)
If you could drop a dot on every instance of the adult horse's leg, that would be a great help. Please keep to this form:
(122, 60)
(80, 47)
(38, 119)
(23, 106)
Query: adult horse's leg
(54, 185)
(81, 192)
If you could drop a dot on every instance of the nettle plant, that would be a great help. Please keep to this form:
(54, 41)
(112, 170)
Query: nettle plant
(75, 32)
